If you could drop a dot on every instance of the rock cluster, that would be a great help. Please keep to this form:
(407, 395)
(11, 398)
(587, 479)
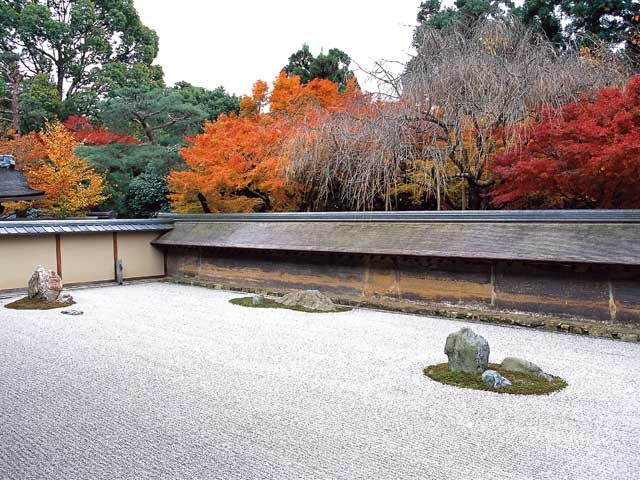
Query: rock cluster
(311, 299)
(468, 352)
(46, 285)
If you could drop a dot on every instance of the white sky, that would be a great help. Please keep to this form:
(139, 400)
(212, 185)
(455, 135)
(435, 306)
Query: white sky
(233, 43)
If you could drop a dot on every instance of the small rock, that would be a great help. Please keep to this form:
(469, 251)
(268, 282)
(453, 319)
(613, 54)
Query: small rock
(311, 299)
(257, 300)
(630, 337)
(65, 299)
(467, 351)
(493, 379)
(514, 364)
(72, 312)
(44, 285)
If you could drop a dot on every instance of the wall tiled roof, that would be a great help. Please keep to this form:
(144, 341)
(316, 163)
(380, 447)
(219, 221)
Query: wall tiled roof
(579, 237)
(44, 227)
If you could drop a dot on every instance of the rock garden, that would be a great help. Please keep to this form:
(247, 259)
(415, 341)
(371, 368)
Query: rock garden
(468, 367)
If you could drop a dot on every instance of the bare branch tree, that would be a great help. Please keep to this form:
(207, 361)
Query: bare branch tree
(470, 82)
(443, 118)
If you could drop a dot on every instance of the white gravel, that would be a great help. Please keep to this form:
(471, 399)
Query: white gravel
(162, 381)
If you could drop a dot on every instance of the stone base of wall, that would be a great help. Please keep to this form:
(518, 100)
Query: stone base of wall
(577, 298)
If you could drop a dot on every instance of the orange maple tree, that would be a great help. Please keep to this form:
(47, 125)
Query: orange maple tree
(70, 186)
(238, 163)
(27, 150)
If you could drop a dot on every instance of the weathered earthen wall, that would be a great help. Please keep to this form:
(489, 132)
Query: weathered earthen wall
(607, 293)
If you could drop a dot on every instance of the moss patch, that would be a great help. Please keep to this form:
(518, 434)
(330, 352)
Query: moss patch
(522, 384)
(27, 303)
(268, 303)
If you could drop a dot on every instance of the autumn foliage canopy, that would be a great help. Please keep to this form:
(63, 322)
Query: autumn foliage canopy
(587, 155)
(70, 186)
(238, 163)
(83, 131)
(27, 150)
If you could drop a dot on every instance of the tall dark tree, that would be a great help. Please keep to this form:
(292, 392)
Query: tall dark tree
(10, 84)
(333, 65)
(300, 64)
(71, 40)
(212, 102)
(39, 102)
(158, 115)
(433, 14)
(543, 16)
(585, 23)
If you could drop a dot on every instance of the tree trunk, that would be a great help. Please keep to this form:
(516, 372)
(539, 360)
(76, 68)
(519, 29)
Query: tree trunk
(475, 200)
(203, 203)
(463, 196)
(60, 82)
(16, 79)
(149, 132)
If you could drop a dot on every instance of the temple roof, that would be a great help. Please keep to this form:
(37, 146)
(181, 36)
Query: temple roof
(13, 185)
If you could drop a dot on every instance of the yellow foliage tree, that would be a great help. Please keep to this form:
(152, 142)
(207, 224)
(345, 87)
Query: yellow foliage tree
(71, 187)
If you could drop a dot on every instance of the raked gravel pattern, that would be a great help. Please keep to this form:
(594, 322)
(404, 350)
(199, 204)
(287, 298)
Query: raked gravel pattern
(163, 381)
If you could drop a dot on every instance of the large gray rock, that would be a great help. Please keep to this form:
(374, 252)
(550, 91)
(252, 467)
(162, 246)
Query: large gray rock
(493, 379)
(45, 285)
(311, 299)
(467, 351)
(515, 364)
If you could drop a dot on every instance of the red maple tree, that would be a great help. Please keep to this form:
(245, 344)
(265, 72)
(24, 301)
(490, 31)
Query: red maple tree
(85, 132)
(586, 155)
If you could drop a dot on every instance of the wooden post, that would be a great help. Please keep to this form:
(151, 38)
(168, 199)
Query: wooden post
(58, 256)
(115, 255)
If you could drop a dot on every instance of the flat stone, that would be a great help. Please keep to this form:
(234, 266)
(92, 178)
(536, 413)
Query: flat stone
(72, 312)
(515, 364)
(493, 379)
(467, 351)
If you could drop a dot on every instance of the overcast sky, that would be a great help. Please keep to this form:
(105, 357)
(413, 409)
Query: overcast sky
(235, 42)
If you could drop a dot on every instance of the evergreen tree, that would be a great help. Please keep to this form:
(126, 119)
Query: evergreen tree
(333, 66)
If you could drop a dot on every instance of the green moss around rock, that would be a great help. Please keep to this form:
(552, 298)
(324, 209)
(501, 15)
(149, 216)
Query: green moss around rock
(27, 303)
(268, 303)
(522, 384)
